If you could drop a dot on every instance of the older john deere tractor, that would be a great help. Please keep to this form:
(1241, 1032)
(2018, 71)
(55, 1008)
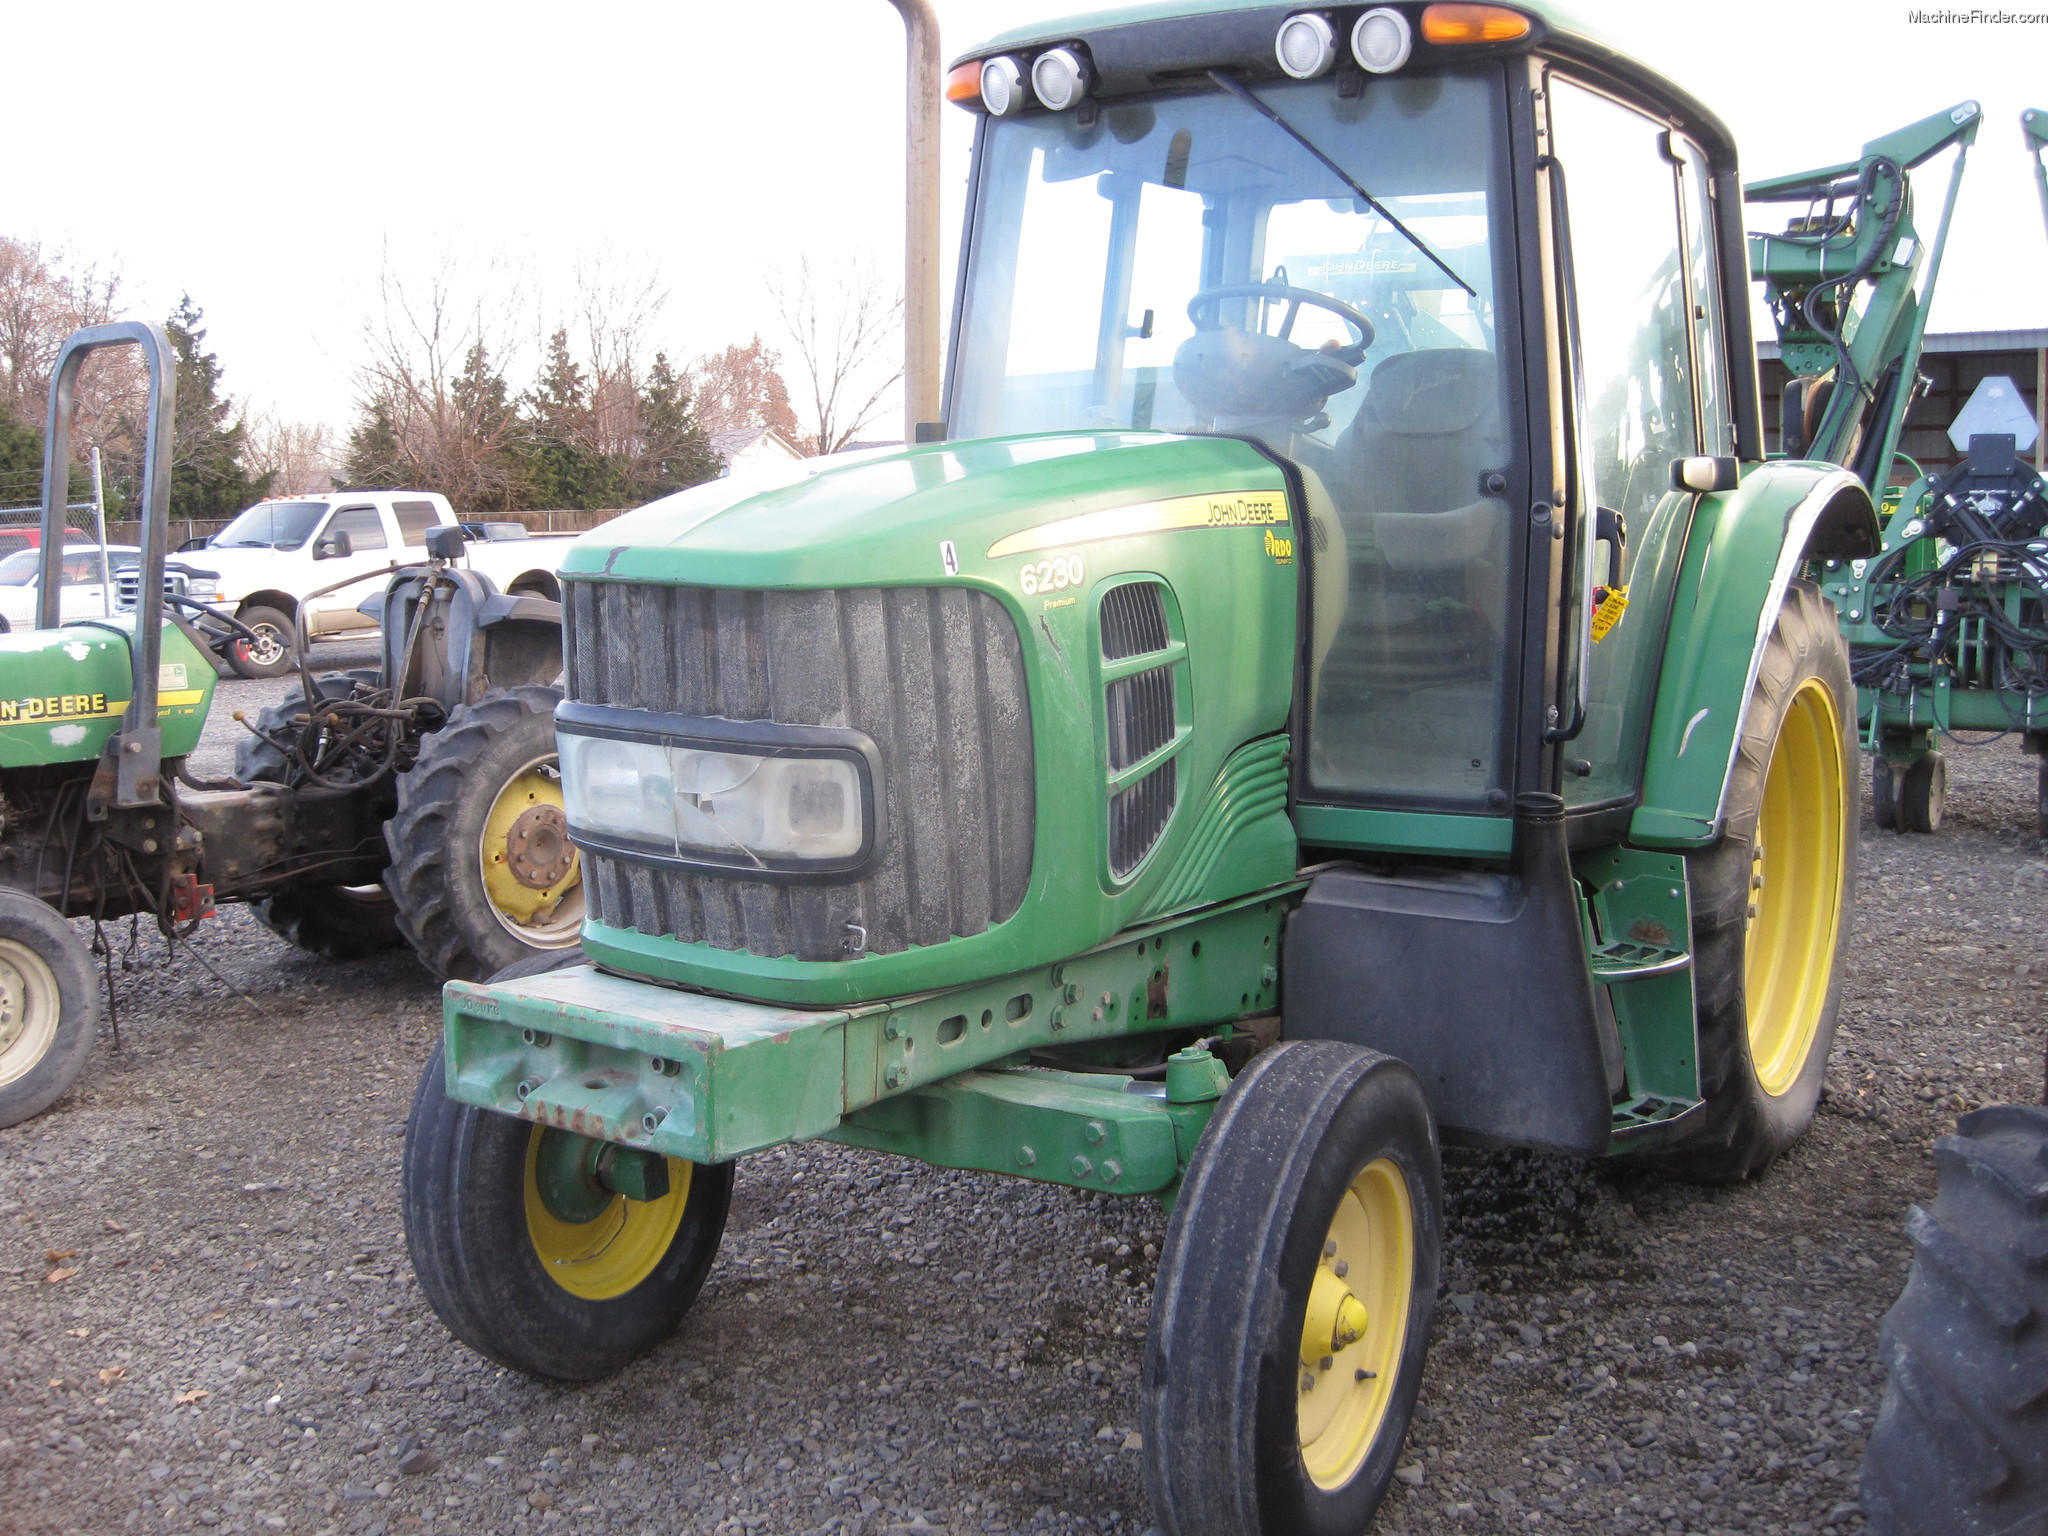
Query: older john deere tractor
(433, 772)
(1342, 672)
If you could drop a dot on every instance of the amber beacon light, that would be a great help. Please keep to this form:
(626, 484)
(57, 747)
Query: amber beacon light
(1455, 23)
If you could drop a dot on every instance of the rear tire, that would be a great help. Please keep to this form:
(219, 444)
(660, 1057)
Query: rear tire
(1923, 793)
(335, 922)
(259, 759)
(1771, 913)
(276, 656)
(49, 1006)
(1961, 1443)
(477, 1244)
(1314, 1191)
(479, 821)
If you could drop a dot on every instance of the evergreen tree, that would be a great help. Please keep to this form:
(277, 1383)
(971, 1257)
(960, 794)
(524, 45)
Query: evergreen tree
(675, 451)
(21, 463)
(370, 462)
(208, 478)
(562, 469)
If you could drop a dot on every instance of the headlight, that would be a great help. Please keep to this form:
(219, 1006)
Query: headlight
(206, 588)
(740, 797)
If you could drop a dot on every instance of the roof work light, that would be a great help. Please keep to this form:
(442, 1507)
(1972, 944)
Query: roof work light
(1059, 78)
(1381, 40)
(1306, 46)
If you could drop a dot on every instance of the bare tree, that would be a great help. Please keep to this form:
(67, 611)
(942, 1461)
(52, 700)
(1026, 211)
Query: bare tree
(848, 338)
(741, 388)
(300, 457)
(436, 412)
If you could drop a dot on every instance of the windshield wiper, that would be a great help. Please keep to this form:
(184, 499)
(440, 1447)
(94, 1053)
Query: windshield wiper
(1244, 94)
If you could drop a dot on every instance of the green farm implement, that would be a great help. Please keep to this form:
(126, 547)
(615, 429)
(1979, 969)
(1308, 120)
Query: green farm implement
(432, 775)
(1342, 673)
(1948, 625)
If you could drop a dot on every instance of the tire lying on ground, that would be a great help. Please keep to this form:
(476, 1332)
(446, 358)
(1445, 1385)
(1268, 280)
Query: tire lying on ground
(1961, 1442)
(526, 1252)
(1770, 903)
(49, 1006)
(339, 922)
(482, 868)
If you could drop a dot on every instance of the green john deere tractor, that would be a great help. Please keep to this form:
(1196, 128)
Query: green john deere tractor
(1341, 673)
(416, 801)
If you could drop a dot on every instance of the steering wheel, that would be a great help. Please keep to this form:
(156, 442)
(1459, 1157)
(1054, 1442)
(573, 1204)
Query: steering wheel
(234, 627)
(1204, 309)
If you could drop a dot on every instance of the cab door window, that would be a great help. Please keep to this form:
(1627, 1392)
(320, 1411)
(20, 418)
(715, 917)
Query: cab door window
(365, 529)
(1637, 395)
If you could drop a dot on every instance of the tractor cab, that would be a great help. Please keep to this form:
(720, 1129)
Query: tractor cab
(1351, 245)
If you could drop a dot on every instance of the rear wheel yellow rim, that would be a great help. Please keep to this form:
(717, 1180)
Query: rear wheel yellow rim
(1356, 1325)
(1796, 872)
(618, 1248)
(542, 914)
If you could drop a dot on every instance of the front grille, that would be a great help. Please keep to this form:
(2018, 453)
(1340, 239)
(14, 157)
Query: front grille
(1140, 712)
(128, 587)
(1138, 815)
(934, 675)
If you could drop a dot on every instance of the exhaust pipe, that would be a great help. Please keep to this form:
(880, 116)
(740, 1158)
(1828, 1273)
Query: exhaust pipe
(921, 85)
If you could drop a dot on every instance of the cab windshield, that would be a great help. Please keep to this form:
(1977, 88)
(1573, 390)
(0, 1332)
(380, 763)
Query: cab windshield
(1183, 263)
(272, 525)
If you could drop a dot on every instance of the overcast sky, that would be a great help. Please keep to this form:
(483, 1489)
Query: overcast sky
(273, 160)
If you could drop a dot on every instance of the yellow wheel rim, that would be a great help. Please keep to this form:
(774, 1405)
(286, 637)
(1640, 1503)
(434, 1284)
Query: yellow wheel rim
(1796, 872)
(1356, 1325)
(533, 875)
(31, 1007)
(616, 1250)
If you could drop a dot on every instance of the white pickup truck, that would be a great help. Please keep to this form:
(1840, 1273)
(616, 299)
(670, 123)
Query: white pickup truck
(273, 565)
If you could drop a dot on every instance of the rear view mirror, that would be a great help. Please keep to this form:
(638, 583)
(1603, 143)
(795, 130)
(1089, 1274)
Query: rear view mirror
(334, 545)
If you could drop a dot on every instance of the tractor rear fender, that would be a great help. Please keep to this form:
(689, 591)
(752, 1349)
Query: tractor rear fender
(478, 639)
(1746, 545)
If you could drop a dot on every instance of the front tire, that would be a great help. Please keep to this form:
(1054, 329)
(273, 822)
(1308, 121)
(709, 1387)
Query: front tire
(1312, 1207)
(481, 867)
(49, 1006)
(1771, 903)
(1923, 794)
(570, 1296)
(275, 649)
(1961, 1443)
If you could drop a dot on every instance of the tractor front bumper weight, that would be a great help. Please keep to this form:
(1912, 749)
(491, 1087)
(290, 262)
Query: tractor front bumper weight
(940, 1076)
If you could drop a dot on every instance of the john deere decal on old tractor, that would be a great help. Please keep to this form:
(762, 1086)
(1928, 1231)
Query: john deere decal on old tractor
(1341, 673)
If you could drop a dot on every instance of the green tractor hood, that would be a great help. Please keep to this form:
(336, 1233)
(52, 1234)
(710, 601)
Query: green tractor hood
(1046, 526)
(69, 687)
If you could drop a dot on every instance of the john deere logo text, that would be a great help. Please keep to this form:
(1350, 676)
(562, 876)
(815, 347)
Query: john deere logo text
(1247, 509)
(56, 706)
(1280, 549)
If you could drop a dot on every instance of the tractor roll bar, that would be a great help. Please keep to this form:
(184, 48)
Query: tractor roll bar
(136, 750)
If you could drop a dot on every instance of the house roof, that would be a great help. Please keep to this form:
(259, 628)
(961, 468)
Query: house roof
(734, 441)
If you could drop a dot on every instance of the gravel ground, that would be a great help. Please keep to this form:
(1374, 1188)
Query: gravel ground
(207, 1320)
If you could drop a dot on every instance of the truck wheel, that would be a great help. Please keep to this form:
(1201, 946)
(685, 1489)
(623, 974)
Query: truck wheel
(1771, 903)
(271, 653)
(522, 1252)
(1961, 1442)
(49, 1006)
(1923, 792)
(1291, 1316)
(1884, 794)
(482, 867)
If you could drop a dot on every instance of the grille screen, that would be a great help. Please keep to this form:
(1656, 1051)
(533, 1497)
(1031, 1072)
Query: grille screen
(935, 675)
(1138, 815)
(1133, 621)
(1140, 712)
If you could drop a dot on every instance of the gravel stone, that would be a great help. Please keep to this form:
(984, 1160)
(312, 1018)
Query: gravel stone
(1615, 1353)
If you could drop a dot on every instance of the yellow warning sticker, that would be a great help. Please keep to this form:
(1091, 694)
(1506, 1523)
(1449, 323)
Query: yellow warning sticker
(1613, 604)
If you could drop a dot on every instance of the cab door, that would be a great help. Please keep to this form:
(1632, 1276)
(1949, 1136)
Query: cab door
(1649, 385)
(368, 551)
